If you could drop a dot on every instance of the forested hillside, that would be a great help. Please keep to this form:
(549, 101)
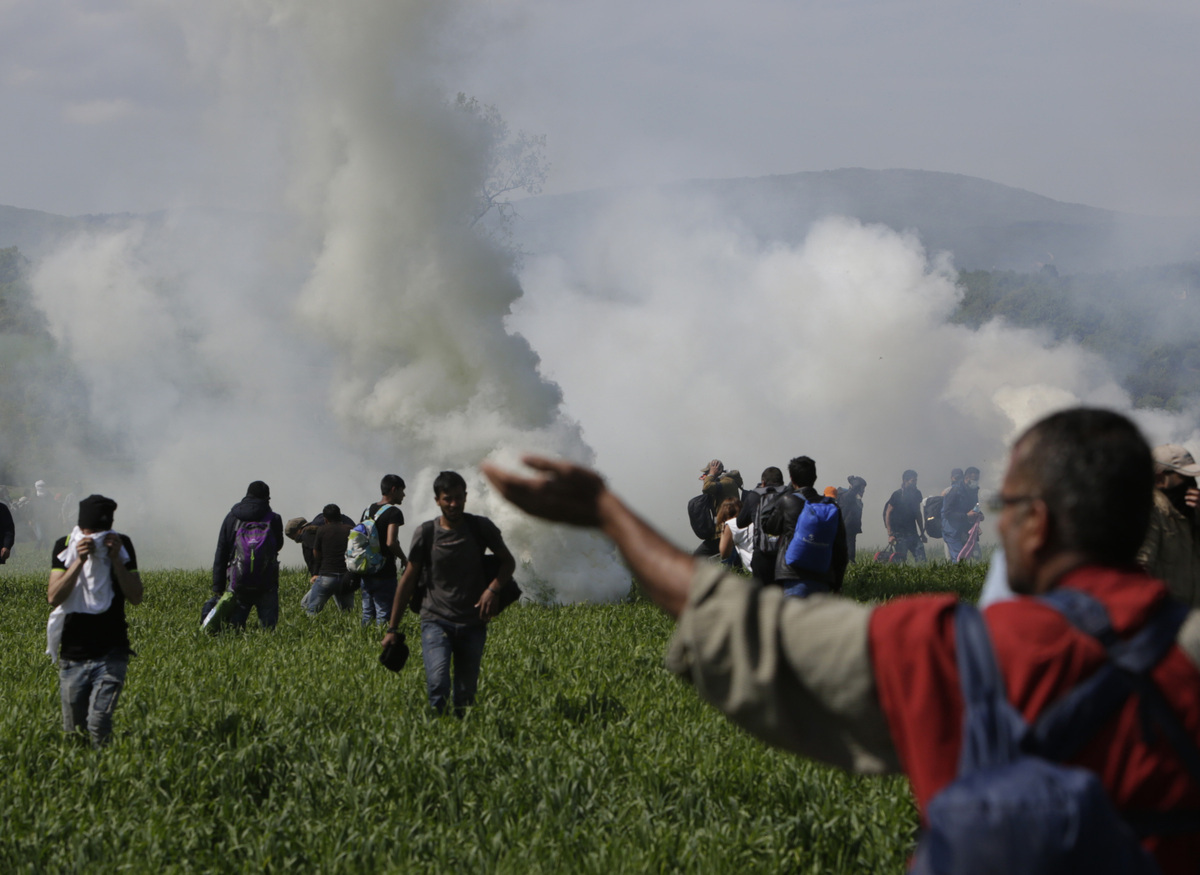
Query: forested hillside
(1146, 322)
(43, 402)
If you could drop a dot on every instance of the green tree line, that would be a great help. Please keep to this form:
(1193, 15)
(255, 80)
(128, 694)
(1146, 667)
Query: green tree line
(1145, 323)
(43, 400)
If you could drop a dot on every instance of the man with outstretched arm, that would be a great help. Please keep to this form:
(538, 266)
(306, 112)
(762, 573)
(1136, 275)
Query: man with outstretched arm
(875, 689)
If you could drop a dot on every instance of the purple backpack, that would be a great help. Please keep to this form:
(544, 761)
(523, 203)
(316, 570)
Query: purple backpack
(252, 568)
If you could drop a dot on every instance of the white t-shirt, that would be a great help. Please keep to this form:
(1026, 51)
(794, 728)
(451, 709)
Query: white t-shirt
(743, 540)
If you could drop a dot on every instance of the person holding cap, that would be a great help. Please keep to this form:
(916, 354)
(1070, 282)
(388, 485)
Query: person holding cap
(1171, 549)
(93, 573)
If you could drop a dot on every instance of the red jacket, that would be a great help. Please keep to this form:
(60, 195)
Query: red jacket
(1042, 657)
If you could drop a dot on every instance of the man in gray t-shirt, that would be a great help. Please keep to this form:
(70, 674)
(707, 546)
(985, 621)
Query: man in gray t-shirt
(459, 596)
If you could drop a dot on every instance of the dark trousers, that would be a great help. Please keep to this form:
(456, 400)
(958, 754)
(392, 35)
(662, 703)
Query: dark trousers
(762, 566)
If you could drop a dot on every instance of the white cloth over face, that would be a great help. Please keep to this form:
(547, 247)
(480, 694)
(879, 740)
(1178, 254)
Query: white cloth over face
(93, 592)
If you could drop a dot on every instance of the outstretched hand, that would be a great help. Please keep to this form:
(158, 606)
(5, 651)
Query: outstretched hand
(565, 493)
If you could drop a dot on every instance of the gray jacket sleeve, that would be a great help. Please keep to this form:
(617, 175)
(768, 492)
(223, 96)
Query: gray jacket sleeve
(794, 672)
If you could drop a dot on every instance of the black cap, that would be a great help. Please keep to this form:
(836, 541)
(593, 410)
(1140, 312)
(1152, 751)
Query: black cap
(96, 513)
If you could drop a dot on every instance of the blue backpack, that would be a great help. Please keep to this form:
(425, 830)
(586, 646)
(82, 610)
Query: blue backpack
(1014, 807)
(811, 547)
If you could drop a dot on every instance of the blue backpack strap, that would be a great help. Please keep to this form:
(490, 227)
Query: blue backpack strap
(1064, 728)
(992, 728)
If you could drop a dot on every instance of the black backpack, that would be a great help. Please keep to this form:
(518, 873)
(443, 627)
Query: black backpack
(1014, 806)
(933, 516)
(769, 496)
(700, 515)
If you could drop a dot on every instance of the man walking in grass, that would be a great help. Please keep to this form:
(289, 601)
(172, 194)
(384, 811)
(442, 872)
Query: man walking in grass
(93, 573)
(247, 558)
(379, 587)
(877, 689)
(458, 596)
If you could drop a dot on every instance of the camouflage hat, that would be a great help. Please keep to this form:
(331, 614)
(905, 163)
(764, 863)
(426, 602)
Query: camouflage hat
(293, 527)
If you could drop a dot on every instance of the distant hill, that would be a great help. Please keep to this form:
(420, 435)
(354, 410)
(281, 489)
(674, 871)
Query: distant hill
(987, 226)
(35, 232)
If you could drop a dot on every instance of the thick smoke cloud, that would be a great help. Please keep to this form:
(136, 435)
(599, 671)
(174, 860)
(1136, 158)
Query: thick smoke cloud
(358, 332)
(677, 337)
(361, 328)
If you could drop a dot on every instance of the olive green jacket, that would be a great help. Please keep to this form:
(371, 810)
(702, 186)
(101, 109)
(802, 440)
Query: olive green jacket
(1171, 550)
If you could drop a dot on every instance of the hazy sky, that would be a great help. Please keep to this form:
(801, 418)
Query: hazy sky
(1092, 101)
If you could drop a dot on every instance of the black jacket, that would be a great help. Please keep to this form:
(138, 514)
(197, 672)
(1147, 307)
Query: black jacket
(8, 529)
(781, 520)
(249, 509)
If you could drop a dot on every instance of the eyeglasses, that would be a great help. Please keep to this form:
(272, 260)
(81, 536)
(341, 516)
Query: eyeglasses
(998, 502)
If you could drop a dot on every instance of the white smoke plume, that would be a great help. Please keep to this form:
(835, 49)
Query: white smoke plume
(349, 324)
(357, 332)
(677, 340)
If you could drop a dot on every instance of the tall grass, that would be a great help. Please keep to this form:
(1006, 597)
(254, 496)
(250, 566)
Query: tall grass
(294, 749)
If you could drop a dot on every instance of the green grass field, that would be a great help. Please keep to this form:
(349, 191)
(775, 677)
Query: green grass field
(295, 750)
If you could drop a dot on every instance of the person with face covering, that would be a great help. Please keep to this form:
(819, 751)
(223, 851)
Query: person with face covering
(1171, 549)
(959, 513)
(93, 573)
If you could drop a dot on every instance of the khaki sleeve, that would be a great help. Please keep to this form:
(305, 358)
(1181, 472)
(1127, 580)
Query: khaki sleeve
(794, 672)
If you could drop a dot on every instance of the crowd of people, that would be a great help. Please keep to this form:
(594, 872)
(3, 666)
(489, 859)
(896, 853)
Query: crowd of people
(725, 516)
(1078, 653)
(455, 577)
(1083, 657)
(744, 528)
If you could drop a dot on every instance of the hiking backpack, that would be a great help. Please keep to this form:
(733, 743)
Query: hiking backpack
(364, 554)
(933, 516)
(811, 547)
(252, 568)
(700, 515)
(1014, 807)
(768, 497)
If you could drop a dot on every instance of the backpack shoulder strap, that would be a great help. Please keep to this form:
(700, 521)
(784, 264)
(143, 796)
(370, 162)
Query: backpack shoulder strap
(1069, 723)
(428, 532)
(476, 532)
(992, 728)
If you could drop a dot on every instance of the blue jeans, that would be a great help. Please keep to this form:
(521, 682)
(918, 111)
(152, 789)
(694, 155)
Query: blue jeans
(803, 589)
(265, 603)
(377, 596)
(89, 689)
(325, 587)
(442, 643)
(954, 544)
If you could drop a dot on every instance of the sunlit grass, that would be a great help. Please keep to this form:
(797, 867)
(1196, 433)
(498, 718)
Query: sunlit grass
(294, 749)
